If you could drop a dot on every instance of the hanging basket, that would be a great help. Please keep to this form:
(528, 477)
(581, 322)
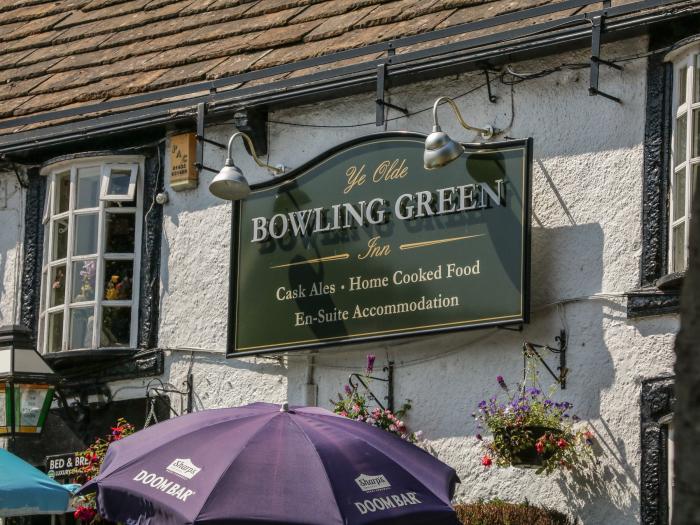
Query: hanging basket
(528, 457)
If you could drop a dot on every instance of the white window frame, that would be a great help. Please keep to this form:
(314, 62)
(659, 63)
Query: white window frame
(105, 164)
(107, 173)
(687, 56)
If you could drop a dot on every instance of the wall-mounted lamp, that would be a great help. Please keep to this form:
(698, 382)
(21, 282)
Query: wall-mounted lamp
(26, 384)
(230, 184)
(440, 149)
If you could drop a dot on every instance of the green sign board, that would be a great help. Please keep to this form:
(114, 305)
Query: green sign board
(364, 243)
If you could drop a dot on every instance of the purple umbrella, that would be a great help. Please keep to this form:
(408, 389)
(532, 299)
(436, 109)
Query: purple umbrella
(262, 464)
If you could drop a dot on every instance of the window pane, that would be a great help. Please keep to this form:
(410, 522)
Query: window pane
(679, 195)
(82, 321)
(682, 76)
(83, 281)
(116, 325)
(120, 232)
(696, 133)
(62, 186)
(60, 239)
(58, 285)
(88, 188)
(118, 277)
(85, 235)
(55, 335)
(679, 247)
(42, 299)
(118, 182)
(45, 256)
(681, 136)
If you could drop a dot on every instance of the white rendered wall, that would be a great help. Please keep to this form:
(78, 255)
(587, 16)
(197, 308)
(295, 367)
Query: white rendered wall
(11, 235)
(586, 245)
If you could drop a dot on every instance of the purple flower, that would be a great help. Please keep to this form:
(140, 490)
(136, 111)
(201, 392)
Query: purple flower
(348, 390)
(370, 363)
(478, 436)
(501, 382)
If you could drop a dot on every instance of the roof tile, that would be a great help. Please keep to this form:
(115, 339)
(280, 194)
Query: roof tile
(339, 24)
(236, 64)
(401, 10)
(36, 28)
(64, 53)
(71, 48)
(328, 9)
(184, 74)
(106, 13)
(489, 10)
(10, 90)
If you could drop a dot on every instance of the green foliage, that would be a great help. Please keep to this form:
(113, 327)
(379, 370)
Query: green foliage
(530, 428)
(354, 405)
(85, 507)
(499, 512)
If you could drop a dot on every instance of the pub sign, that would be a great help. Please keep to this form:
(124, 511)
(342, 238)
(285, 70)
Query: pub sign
(364, 243)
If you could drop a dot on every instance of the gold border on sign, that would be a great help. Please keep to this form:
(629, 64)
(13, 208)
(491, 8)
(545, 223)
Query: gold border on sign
(339, 257)
(409, 329)
(413, 245)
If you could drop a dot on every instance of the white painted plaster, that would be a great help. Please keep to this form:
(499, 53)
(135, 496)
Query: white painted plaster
(587, 185)
(587, 188)
(11, 234)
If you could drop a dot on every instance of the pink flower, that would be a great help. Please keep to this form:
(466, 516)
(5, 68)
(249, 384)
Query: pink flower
(486, 461)
(85, 514)
(539, 447)
(562, 443)
(344, 413)
(356, 409)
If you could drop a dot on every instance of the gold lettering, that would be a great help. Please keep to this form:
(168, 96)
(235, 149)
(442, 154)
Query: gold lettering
(390, 170)
(356, 177)
(374, 249)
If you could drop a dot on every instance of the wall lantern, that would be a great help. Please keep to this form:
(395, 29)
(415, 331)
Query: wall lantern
(230, 184)
(26, 384)
(440, 149)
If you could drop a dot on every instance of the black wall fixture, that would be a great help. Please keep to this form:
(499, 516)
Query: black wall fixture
(656, 408)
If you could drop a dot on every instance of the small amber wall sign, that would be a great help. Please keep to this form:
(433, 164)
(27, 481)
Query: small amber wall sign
(363, 243)
(183, 173)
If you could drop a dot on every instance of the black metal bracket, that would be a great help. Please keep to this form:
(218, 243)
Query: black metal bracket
(492, 98)
(596, 34)
(382, 85)
(516, 328)
(187, 394)
(530, 351)
(389, 379)
(253, 122)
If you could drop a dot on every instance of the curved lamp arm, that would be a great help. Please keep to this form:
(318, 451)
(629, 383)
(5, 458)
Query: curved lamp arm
(273, 169)
(487, 132)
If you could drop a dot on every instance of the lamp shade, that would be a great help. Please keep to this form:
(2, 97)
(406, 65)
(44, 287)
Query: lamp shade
(230, 184)
(440, 149)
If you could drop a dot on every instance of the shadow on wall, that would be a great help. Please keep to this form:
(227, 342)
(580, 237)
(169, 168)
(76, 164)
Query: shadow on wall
(8, 242)
(221, 382)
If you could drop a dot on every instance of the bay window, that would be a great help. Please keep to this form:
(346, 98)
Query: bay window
(92, 245)
(685, 151)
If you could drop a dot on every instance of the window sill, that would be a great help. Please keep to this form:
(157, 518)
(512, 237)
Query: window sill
(90, 366)
(664, 299)
(670, 282)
